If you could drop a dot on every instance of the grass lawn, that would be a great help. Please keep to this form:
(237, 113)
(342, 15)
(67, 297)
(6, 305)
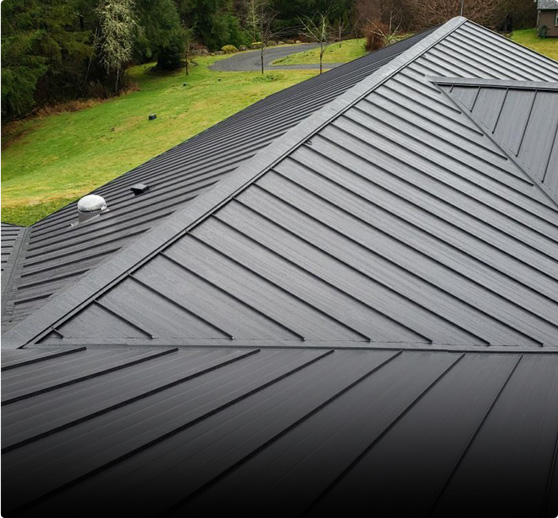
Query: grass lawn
(529, 38)
(340, 52)
(48, 162)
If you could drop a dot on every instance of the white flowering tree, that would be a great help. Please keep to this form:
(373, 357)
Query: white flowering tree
(115, 38)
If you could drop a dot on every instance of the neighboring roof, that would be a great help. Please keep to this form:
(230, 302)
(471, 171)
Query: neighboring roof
(363, 316)
(547, 4)
(225, 432)
(57, 254)
(521, 117)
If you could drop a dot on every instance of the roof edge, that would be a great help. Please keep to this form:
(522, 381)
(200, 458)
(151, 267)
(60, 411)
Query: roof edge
(97, 281)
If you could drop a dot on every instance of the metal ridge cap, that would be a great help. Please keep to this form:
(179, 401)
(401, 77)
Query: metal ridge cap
(100, 279)
(494, 83)
(237, 344)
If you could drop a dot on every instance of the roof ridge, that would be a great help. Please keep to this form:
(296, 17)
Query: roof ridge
(98, 280)
(494, 83)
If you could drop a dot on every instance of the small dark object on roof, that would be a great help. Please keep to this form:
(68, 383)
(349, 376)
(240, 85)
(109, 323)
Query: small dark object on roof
(139, 188)
(152, 116)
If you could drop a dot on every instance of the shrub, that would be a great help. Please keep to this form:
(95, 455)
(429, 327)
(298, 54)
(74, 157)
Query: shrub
(376, 36)
(229, 49)
(267, 78)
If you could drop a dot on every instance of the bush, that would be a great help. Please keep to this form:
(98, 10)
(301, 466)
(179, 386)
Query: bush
(376, 34)
(267, 78)
(229, 49)
(256, 45)
(272, 43)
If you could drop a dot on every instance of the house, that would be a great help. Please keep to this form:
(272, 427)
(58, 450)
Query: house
(547, 18)
(341, 301)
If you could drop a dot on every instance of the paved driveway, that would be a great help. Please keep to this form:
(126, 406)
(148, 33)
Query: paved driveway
(250, 61)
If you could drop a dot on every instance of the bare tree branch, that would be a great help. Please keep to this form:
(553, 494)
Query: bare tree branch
(320, 31)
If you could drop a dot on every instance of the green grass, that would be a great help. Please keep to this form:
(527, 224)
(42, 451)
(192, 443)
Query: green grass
(339, 52)
(529, 38)
(52, 160)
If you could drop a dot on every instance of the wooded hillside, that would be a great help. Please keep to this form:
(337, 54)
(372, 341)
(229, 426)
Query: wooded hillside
(61, 50)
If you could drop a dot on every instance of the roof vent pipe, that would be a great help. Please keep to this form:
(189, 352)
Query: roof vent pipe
(91, 206)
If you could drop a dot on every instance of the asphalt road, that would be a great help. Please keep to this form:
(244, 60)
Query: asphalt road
(250, 61)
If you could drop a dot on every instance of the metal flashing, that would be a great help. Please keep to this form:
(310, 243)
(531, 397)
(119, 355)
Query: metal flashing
(495, 83)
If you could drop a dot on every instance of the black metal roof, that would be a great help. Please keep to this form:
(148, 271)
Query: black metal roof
(363, 316)
(57, 254)
(389, 216)
(225, 432)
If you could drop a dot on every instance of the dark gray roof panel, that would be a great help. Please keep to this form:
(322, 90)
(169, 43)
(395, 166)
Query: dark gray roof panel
(13, 240)
(11, 236)
(387, 225)
(276, 432)
(523, 121)
(59, 254)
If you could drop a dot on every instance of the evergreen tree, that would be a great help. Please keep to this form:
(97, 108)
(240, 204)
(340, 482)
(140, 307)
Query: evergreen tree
(45, 48)
(162, 35)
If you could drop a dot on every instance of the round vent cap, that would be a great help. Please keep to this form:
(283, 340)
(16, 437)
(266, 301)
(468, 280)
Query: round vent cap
(92, 203)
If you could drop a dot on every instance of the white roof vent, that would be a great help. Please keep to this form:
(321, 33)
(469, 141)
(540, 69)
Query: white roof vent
(91, 206)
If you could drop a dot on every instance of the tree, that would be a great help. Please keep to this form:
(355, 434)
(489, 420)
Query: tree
(189, 33)
(427, 14)
(45, 49)
(161, 34)
(117, 30)
(253, 21)
(215, 22)
(259, 24)
(266, 18)
(386, 13)
(319, 31)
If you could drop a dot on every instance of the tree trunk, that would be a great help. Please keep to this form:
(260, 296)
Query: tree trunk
(91, 58)
(321, 55)
(116, 86)
(262, 58)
